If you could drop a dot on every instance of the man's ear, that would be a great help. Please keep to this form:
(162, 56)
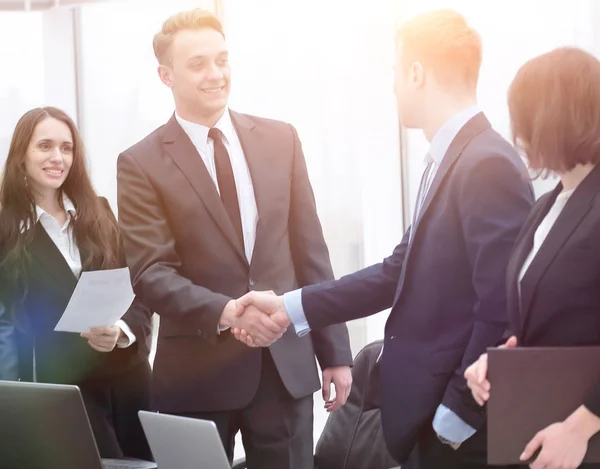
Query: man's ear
(166, 76)
(417, 74)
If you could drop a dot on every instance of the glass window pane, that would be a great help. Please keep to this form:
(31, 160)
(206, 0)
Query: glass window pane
(122, 97)
(22, 77)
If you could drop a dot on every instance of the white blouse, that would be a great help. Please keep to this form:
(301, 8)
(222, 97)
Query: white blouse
(544, 229)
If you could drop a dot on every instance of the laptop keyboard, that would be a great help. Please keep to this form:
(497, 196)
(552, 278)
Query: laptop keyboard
(123, 464)
(110, 465)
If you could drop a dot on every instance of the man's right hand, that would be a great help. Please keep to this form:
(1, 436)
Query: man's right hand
(259, 325)
(269, 304)
(476, 375)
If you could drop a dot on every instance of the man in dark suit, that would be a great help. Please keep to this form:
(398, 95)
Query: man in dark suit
(445, 280)
(214, 204)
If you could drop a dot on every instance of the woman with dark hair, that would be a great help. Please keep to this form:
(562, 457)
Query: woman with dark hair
(554, 272)
(52, 227)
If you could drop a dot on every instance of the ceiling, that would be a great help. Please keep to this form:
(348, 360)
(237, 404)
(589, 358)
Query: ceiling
(16, 5)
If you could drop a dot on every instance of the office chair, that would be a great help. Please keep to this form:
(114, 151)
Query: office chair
(356, 426)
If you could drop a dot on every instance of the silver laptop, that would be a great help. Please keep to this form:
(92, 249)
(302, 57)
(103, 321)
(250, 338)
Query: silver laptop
(184, 443)
(46, 426)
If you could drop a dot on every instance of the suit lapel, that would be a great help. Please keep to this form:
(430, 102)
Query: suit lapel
(523, 247)
(257, 149)
(52, 262)
(470, 130)
(181, 149)
(577, 207)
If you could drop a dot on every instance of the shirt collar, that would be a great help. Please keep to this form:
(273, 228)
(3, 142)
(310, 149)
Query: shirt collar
(198, 133)
(443, 137)
(67, 204)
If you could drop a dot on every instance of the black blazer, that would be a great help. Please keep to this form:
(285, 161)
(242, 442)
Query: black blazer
(62, 357)
(560, 292)
(447, 288)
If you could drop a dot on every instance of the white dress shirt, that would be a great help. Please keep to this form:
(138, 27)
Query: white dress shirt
(198, 134)
(437, 149)
(542, 231)
(443, 139)
(62, 237)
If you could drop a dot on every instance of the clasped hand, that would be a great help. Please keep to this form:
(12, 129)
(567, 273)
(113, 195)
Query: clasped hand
(103, 339)
(257, 319)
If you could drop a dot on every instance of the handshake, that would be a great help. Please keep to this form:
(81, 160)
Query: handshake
(257, 319)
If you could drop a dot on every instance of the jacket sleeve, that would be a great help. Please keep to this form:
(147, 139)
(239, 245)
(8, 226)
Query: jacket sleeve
(153, 260)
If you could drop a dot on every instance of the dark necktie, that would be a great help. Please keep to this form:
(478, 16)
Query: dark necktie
(226, 182)
(422, 193)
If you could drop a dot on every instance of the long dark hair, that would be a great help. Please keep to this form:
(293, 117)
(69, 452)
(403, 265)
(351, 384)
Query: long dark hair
(94, 229)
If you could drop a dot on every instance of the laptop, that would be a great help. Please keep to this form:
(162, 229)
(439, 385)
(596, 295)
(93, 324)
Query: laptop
(184, 443)
(45, 426)
(533, 388)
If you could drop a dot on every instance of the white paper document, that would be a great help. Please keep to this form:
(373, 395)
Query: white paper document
(100, 299)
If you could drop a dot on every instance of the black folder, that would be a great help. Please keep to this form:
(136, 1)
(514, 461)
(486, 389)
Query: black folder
(532, 388)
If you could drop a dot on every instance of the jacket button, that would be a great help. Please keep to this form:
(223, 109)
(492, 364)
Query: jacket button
(251, 282)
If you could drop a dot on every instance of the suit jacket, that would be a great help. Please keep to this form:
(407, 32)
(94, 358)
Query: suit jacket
(187, 263)
(446, 288)
(63, 357)
(559, 303)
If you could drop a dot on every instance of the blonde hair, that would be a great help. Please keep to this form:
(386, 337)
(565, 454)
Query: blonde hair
(190, 19)
(442, 41)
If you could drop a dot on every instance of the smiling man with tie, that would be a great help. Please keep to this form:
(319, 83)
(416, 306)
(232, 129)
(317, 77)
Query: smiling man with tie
(214, 204)
(445, 281)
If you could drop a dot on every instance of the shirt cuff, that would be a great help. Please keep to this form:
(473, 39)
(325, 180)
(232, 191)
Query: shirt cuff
(221, 329)
(450, 426)
(128, 337)
(293, 305)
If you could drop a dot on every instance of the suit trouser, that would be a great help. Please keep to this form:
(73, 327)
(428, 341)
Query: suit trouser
(277, 430)
(112, 405)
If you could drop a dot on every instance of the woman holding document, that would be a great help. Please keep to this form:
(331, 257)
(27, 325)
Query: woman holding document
(554, 272)
(52, 227)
